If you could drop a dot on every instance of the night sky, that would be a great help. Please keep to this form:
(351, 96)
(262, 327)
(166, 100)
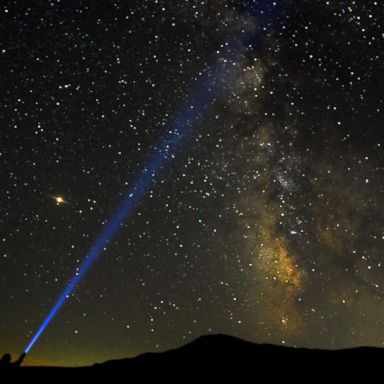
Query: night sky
(268, 223)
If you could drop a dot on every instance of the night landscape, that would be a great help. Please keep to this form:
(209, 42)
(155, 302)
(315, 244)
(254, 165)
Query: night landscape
(191, 186)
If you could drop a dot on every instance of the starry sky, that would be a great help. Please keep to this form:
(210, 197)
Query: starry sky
(267, 224)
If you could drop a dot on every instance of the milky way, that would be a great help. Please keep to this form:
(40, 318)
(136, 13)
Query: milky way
(268, 225)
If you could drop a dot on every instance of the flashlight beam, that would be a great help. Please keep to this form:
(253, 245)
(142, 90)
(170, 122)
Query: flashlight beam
(189, 115)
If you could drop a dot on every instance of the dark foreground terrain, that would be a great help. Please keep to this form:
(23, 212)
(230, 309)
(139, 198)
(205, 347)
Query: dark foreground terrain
(226, 357)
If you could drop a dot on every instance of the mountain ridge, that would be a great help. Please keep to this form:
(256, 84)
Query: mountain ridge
(222, 357)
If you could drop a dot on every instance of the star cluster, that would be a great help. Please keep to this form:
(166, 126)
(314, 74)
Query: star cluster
(267, 225)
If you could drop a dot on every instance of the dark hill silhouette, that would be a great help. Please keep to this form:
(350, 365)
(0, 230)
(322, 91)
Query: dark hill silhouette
(226, 353)
(222, 356)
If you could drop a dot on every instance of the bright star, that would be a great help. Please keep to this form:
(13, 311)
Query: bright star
(59, 200)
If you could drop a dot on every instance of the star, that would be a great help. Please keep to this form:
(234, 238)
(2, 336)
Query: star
(59, 200)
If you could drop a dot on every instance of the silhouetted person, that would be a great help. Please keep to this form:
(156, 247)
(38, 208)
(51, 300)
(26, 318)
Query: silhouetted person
(5, 361)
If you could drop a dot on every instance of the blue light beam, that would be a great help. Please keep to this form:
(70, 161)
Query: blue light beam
(189, 115)
(191, 112)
